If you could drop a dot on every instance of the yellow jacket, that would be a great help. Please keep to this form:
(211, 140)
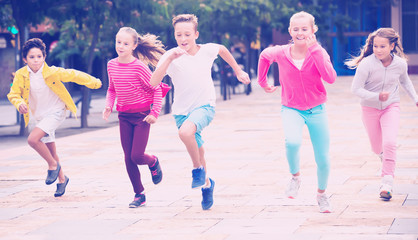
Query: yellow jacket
(54, 78)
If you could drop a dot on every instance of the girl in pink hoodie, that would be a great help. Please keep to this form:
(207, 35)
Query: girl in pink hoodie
(303, 64)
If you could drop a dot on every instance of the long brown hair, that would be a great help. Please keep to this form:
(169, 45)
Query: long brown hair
(149, 49)
(388, 33)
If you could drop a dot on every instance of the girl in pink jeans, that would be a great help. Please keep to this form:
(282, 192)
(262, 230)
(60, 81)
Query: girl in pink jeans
(381, 67)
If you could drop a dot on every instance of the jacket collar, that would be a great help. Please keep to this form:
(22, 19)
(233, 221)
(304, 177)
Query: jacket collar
(286, 51)
(46, 71)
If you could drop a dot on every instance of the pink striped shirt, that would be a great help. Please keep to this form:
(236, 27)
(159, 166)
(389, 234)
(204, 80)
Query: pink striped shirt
(130, 83)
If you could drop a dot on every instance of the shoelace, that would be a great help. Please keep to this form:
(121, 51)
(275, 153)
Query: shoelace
(293, 184)
(154, 172)
(323, 201)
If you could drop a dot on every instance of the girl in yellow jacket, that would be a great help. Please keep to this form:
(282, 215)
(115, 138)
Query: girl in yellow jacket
(40, 89)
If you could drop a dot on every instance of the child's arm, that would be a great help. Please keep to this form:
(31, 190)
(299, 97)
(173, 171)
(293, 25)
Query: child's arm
(81, 78)
(110, 99)
(156, 106)
(359, 81)
(407, 85)
(265, 60)
(227, 56)
(157, 91)
(15, 96)
(322, 60)
(159, 73)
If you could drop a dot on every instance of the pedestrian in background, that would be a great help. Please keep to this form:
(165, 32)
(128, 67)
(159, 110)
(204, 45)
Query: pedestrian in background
(39, 88)
(302, 65)
(380, 68)
(189, 66)
(138, 103)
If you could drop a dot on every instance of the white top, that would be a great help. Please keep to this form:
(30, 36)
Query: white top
(42, 99)
(298, 62)
(372, 77)
(192, 78)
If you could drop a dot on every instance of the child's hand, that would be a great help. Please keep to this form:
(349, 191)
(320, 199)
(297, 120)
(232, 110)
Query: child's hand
(177, 52)
(150, 119)
(243, 77)
(311, 40)
(106, 113)
(383, 96)
(23, 108)
(270, 89)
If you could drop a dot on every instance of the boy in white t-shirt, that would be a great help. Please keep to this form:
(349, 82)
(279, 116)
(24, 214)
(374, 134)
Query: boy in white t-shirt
(189, 66)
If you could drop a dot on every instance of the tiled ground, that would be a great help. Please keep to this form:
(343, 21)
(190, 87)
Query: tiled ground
(246, 157)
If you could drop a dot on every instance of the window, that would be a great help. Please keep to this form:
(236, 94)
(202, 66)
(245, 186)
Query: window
(410, 26)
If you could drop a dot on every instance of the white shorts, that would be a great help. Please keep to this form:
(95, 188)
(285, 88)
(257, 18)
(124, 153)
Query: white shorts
(49, 123)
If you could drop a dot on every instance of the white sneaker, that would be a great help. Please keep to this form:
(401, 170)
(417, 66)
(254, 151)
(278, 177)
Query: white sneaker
(386, 187)
(294, 185)
(323, 203)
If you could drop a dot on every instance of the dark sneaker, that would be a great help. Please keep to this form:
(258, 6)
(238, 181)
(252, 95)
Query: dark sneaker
(207, 195)
(139, 200)
(53, 175)
(61, 187)
(156, 173)
(199, 177)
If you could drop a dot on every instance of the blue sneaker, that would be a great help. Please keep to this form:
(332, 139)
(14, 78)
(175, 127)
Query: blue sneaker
(53, 175)
(207, 195)
(199, 177)
(156, 173)
(138, 201)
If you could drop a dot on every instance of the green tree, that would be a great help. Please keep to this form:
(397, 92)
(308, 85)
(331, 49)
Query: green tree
(88, 27)
(22, 14)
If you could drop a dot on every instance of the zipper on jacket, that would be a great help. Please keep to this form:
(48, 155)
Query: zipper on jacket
(303, 86)
(383, 87)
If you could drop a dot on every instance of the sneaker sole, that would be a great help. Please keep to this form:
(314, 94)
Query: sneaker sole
(197, 185)
(134, 206)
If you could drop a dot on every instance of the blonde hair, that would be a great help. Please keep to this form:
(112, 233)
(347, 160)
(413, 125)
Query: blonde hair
(388, 33)
(186, 18)
(303, 14)
(149, 49)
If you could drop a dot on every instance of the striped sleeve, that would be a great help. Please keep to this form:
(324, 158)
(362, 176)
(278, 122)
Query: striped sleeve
(130, 83)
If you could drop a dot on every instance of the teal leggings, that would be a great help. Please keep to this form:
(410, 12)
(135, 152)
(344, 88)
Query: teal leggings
(317, 122)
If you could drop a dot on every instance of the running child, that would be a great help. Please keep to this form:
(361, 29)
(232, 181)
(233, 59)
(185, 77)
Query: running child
(189, 66)
(302, 65)
(39, 89)
(138, 103)
(380, 68)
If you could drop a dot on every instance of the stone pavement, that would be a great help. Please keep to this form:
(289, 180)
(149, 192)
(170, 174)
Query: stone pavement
(246, 157)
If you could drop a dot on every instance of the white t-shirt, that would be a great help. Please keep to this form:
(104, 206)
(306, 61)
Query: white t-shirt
(192, 78)
(298, 62)
(42, 100)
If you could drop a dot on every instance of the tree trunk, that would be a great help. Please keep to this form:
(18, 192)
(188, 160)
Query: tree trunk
(85, 104)
(21, 38)
(248, 63)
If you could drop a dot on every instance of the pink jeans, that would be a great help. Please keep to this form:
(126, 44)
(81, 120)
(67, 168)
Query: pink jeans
(382, 127)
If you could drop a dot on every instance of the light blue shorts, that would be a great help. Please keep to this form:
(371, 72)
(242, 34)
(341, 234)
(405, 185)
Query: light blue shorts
(201, 117)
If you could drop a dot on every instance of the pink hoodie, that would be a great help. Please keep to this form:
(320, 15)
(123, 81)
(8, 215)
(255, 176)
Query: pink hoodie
(301, 89)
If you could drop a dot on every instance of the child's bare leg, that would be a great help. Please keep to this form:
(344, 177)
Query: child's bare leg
(34, 140)
(187, 135)
(203, 162)
(53, 150)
